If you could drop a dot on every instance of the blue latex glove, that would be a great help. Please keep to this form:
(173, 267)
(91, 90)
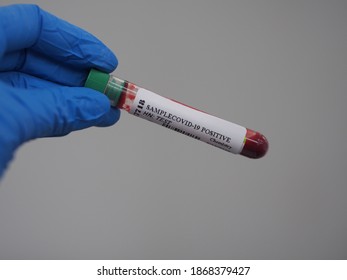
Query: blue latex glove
(44, 62)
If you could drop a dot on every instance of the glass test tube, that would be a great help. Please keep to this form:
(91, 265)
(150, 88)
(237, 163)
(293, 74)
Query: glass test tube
(178, 117)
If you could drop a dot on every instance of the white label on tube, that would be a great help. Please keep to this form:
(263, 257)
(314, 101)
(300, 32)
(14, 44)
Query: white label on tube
(188, 121)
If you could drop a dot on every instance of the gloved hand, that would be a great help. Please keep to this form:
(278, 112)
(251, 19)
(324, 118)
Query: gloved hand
(44, 62)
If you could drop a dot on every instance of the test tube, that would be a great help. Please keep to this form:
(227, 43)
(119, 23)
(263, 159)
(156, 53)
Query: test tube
(178, 117)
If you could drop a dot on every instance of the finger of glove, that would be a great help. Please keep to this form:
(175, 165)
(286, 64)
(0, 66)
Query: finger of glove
(18, 80)
(29, 27)
(76, 108)
(52, 111)
(24, 81)
(43, 67)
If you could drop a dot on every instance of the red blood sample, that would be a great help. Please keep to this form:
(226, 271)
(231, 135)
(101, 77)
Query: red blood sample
(256, 145)
(127, 96)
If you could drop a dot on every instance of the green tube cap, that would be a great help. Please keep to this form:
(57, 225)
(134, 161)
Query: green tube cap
(101, 82)
(97, 80)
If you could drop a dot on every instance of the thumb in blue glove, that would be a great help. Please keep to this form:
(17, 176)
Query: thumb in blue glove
(43, 64)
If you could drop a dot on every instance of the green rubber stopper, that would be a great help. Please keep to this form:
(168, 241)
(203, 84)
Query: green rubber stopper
(100, 81)
(97, 80)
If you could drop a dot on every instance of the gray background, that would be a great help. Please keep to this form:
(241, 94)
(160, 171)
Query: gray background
(138, 191)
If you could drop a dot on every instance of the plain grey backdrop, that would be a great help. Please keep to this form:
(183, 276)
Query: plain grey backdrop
(139, 191)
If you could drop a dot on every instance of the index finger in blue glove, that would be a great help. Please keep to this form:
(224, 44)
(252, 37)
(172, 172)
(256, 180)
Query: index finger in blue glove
(48, 109)
(31, 35)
